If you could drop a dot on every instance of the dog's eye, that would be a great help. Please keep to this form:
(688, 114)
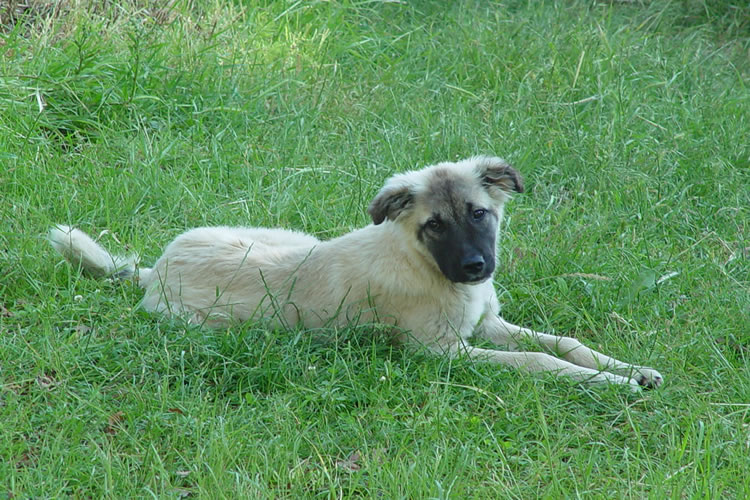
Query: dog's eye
(434, 225)
(479, 214)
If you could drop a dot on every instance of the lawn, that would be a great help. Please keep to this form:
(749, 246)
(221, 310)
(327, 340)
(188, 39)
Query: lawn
(630, 122)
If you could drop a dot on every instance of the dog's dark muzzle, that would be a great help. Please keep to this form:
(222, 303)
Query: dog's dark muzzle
(475, 268)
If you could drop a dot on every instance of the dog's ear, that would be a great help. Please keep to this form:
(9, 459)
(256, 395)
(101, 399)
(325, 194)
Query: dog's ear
(499, 177)
(390, 202)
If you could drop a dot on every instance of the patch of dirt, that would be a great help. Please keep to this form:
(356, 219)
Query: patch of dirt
(35, 12)
(14, 11)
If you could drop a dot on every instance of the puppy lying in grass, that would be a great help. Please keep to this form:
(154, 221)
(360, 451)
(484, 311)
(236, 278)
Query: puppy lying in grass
(424, 265)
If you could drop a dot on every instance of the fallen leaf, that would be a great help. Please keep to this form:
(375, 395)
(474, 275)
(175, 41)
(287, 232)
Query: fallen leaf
(176, 410)
(81, 328)
(620, 319)
(16, 388)
(46, 381)
(24, 460)
(114, 422)
(378, 456)
(350, 464)
(588, 276)
(666, 277)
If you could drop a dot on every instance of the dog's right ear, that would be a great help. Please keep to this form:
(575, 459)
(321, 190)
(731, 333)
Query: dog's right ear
(390, 202)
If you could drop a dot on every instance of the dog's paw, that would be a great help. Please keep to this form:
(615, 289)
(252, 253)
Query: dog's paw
(648, 378)
(634, 386)
(622, 381)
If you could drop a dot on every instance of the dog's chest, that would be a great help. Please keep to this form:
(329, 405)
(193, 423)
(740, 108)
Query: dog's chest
(469, 308)
(441, 318)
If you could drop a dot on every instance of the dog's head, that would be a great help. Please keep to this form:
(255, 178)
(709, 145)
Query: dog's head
(453, 210)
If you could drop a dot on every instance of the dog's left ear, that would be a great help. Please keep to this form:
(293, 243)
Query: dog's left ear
(390, 202)
(499, 177)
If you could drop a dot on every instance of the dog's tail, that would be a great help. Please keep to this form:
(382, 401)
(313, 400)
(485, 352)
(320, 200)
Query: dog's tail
(80, 250)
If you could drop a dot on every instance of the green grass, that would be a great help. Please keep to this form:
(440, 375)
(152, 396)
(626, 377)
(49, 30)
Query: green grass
(629, 121)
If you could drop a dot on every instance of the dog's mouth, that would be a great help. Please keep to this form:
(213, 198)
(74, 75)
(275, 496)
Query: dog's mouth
(471, 280)
(479, 276)
(476, 281)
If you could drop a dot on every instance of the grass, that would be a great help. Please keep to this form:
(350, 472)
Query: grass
(629, 121)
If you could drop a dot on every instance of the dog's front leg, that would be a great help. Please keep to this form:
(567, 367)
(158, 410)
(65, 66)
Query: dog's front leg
(500, 332)
(541, 362)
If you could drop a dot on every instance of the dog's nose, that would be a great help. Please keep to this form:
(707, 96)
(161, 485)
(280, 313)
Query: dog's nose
(473, 265)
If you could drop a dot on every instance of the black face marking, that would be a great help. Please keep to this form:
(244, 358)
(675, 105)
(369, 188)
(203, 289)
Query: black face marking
(459, 234)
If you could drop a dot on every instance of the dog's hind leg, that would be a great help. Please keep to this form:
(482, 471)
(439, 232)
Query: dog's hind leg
(500, 332)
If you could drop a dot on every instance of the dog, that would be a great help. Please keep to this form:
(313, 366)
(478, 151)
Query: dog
(424, 266)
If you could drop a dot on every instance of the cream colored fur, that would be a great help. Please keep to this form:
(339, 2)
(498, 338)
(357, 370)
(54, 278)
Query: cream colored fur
(80, 250)
(378, 274)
